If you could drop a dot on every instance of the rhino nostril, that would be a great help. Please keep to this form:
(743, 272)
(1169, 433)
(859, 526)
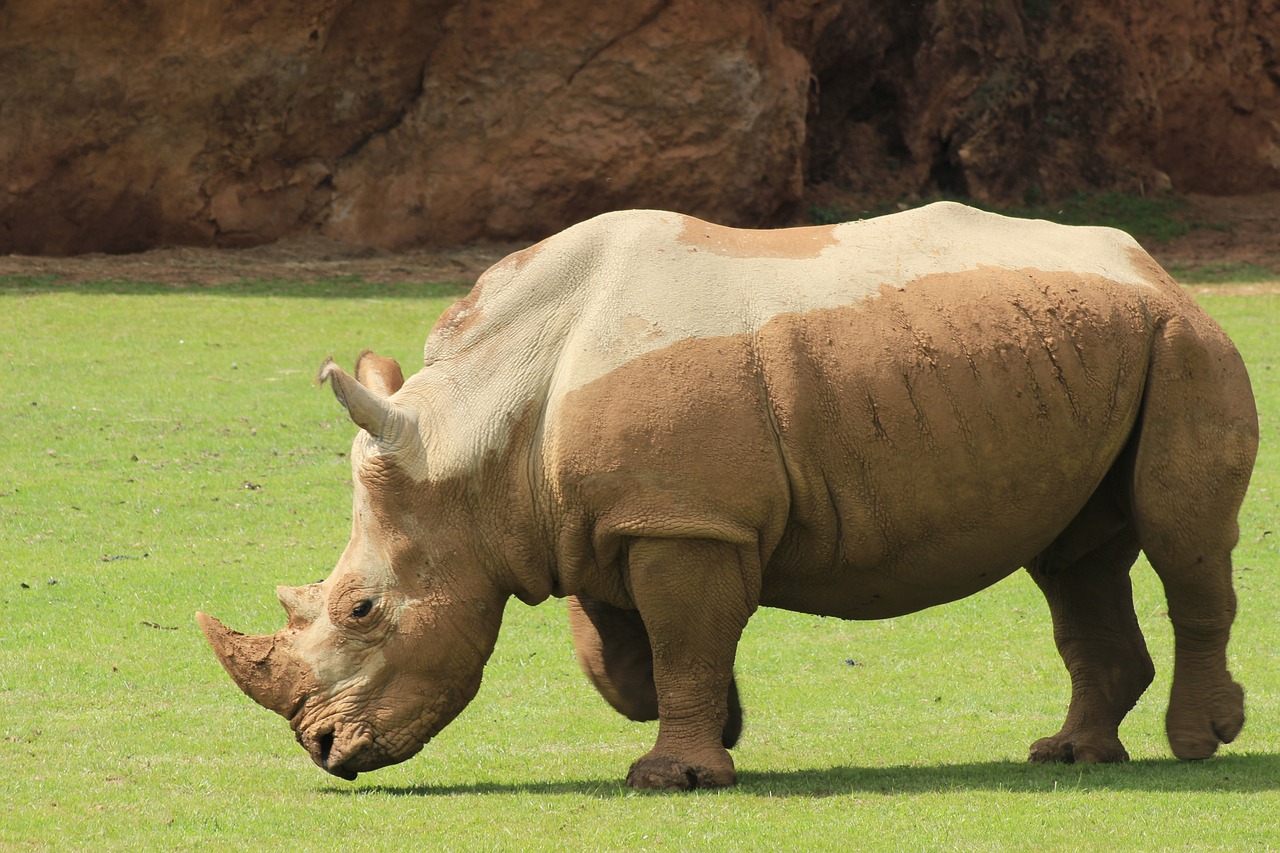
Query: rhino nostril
(325, 744)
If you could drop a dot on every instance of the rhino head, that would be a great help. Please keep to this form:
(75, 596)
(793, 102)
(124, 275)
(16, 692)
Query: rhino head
(379, 657)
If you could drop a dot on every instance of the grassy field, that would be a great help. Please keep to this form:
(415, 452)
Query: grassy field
(165, 451)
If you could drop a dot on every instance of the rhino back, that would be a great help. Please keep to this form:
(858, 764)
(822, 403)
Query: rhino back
(644, 280)
(583, 302)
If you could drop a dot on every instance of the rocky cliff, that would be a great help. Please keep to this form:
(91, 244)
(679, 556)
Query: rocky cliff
(419, 122)
(1012, 101)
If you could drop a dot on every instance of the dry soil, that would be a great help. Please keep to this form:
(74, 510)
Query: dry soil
(1239, 230)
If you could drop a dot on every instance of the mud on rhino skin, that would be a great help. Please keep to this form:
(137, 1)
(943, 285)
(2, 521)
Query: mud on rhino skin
(673, 423)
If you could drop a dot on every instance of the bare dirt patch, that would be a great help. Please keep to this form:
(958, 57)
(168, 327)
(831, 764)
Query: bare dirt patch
(310, 258)
(1230, 230)
(1235, 229)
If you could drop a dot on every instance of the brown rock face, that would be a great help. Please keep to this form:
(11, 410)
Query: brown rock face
(435, 122)
(1008, 100)
(538, 115)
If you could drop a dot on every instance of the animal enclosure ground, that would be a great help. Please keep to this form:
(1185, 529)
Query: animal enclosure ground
(1219, 238)
(164, 451)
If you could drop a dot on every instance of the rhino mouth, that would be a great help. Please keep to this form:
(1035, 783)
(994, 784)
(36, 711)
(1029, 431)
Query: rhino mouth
(347, 752)
(324, 754)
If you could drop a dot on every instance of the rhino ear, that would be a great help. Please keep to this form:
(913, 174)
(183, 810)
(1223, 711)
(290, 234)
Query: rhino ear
(380, 375)
(393, 425)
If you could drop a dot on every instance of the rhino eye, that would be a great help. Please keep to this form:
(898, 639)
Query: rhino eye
(362, 608)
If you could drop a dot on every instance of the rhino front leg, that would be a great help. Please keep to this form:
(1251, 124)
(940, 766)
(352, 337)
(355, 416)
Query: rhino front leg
(694, 599)
(612, 646)
(613, 650)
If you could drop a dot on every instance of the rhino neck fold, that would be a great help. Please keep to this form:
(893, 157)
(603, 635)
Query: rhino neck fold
(491, 515)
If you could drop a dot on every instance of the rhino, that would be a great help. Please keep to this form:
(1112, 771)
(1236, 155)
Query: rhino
(673, 423)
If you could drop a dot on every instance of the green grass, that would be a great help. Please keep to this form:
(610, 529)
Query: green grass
(165, 451)
(1158, 217)
(1224, 272)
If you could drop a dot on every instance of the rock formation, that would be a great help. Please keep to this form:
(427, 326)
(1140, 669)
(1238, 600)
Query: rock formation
(436, 122)
(1008, 101)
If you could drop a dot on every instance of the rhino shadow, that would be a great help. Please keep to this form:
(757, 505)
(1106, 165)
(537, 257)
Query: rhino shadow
(1227, 774)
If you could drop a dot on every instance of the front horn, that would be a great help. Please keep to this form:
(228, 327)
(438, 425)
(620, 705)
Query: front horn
(263, 667)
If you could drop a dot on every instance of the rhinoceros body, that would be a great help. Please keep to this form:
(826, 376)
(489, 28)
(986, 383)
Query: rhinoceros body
(674, 423)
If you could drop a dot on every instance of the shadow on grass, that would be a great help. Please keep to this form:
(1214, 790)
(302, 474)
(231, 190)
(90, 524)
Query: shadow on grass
(340, 287)
(1226, 774)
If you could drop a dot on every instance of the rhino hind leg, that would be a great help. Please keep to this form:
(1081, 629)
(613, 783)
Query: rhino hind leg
(1097, 634)
(613, 648)
(1198, 441)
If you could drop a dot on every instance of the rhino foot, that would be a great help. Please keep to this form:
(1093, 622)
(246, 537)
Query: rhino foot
(1196, 728)
(661, 772)
(1074, 749)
